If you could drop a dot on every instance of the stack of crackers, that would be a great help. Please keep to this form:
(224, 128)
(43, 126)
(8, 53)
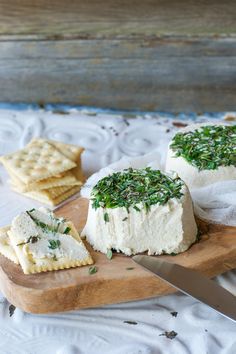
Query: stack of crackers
(45, 170)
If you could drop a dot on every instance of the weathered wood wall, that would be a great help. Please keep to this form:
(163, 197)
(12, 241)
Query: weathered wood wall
(149, 55)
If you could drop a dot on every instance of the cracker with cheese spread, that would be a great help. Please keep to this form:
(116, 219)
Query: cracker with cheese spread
(43, 242)
(6, 248)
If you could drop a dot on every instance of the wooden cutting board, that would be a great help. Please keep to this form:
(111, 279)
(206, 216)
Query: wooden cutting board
(117, 280)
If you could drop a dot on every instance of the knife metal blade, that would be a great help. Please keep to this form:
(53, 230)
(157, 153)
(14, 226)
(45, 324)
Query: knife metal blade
(192, 283)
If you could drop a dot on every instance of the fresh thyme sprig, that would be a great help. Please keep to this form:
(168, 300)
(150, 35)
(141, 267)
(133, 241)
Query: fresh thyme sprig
(93, 270)
(41, 224)
(67, 230)
(106, 217)
(133, 187)
(207, 147)
(49, 228)
(109, 254)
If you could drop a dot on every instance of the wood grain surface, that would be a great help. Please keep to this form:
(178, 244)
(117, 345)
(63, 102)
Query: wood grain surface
(113, 283)
(151, 55)
(159, 74)
(119, 18)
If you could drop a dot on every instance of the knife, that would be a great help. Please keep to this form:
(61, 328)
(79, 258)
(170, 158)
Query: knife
(192, 283)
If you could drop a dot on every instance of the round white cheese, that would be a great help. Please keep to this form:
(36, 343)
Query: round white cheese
(191, 175)
(163, 229)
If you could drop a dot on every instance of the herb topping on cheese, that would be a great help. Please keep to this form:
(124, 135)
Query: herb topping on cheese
(133, 187)
(207, 147)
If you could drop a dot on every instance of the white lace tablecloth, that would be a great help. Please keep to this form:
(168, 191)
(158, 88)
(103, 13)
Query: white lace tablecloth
(131, 328)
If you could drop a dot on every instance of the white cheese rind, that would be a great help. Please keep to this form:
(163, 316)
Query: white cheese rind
(164, 229)
(195, 178)
(190, 174)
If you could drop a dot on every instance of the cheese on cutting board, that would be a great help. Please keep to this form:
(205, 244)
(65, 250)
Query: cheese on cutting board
(203, 154)
(140, 210)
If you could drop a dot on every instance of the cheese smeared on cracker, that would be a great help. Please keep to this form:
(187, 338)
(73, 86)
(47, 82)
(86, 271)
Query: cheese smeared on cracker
(43, 242)
(6, 248)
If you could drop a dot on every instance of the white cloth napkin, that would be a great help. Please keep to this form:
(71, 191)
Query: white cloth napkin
(215, 203)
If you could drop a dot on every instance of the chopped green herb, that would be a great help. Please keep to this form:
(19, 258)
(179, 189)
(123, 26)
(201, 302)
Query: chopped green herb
(67, 230)
(53, 244)
(207, 147)
(199, 235)
(131, 322)
(54, 257)
(57, 227)
(135, 187)
(106, 217)
(31, 210)
(31, 239)
(39, 223)
(125, 219)
(174, 313)
(109, 254)
(170, 335)
(43, 226)
(11, 310)
(92, 270)
(169, 254)
(130, 268)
